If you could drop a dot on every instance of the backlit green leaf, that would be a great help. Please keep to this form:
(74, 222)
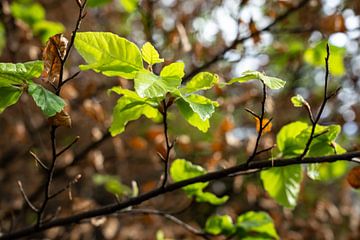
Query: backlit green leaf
(271, 82)
(129, 5)
(48, 102)
(201, 81)
(109, 54)
(201, 105)
(9, 95)
(45, 29)
(191, 117)
(128, 108)
(316, 57)
(150, 54)
(283, 184)
(298, 101)
(287, 139)
(11, 73)
(112, 184)
(147, 84)
(173, 70)
(30, 13)
(219, 224)
(256, 225)
(181, 170)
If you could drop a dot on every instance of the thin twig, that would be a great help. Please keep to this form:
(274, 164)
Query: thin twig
(70, 78)
(68, 186)
(26, 198)
(68, 146)
(322, 106)
(168, 216)
(37, 159)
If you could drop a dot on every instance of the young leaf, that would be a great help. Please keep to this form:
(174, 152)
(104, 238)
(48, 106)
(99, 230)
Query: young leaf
(283, 184)
(150, 54)
(149, 85)
(112, 184)
(271, 82)
(201, 81)
(11, 73)
(173, 70)
(128, 108)
(109, 54)
(129, 5)
(191, 117)
(201, 105)
(9, 95)
(53, 53)
(182, 170)
(257, 225)
(49, 103)
(298, 101)
(220, 224)
(287, 139)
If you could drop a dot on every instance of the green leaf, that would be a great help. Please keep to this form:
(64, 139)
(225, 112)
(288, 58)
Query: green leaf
(112, 184)
(256, 225)
(173, 70)
(283, 184)
(287, 139)
(150, 54)
(129, 5)
(9, 95)
(298, 101)
(30, 13)
(109, 54)
(128, 108)
(46, 29)
(219, 224)
(210, 198)
(316, 56)
(147, 84)
(11, 73)
(181, 170)
(191, 117)
(201, 105)
(48, 102)
(97, 3)
(271, 82)
(201, 81)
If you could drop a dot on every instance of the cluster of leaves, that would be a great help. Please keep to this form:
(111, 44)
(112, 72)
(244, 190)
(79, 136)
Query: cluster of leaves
(250, 225)
(33, 14)
(15, 79)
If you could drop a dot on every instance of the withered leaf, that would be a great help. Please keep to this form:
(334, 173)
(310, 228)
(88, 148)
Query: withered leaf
(254, 32)
(53, 52)
(333, 23)
(353, 177)
(61, 119)
(264, 122)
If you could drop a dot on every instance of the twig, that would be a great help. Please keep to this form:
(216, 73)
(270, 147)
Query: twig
(26, 198)
(168, 216)
(38, 161)
(112, 208)
(68, 146)
(68, 186)
(322, 106)
(70, 78)
(261, 128)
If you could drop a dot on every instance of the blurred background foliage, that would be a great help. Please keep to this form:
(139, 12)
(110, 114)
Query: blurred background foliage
(193, 31)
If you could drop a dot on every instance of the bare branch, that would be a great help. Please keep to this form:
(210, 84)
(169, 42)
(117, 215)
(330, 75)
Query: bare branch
(68, 146)
(26, 198)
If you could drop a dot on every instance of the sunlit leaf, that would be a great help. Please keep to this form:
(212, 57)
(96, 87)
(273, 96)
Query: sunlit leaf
(47, 101)
(112, 184)
(109, 54)
(271, 82)
(219, 224)
(28, 12)
(191, 117)
(150, 54)
(287, 139)
(129, 5)
(9, 95)
(173, 70)
(298, 101)
(11, 73)
(53, 53)
(201, 81)
(316, 57)
(45, 29)
(256, 225)
(147, 84)
(128, 108)
(283, 184)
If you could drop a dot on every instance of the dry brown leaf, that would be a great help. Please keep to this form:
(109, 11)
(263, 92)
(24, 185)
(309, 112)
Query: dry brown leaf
(264, 122)
(353, 177)
(61, 119)
(254, 32)
(54, 51)
(137, 143)
(333, 23)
